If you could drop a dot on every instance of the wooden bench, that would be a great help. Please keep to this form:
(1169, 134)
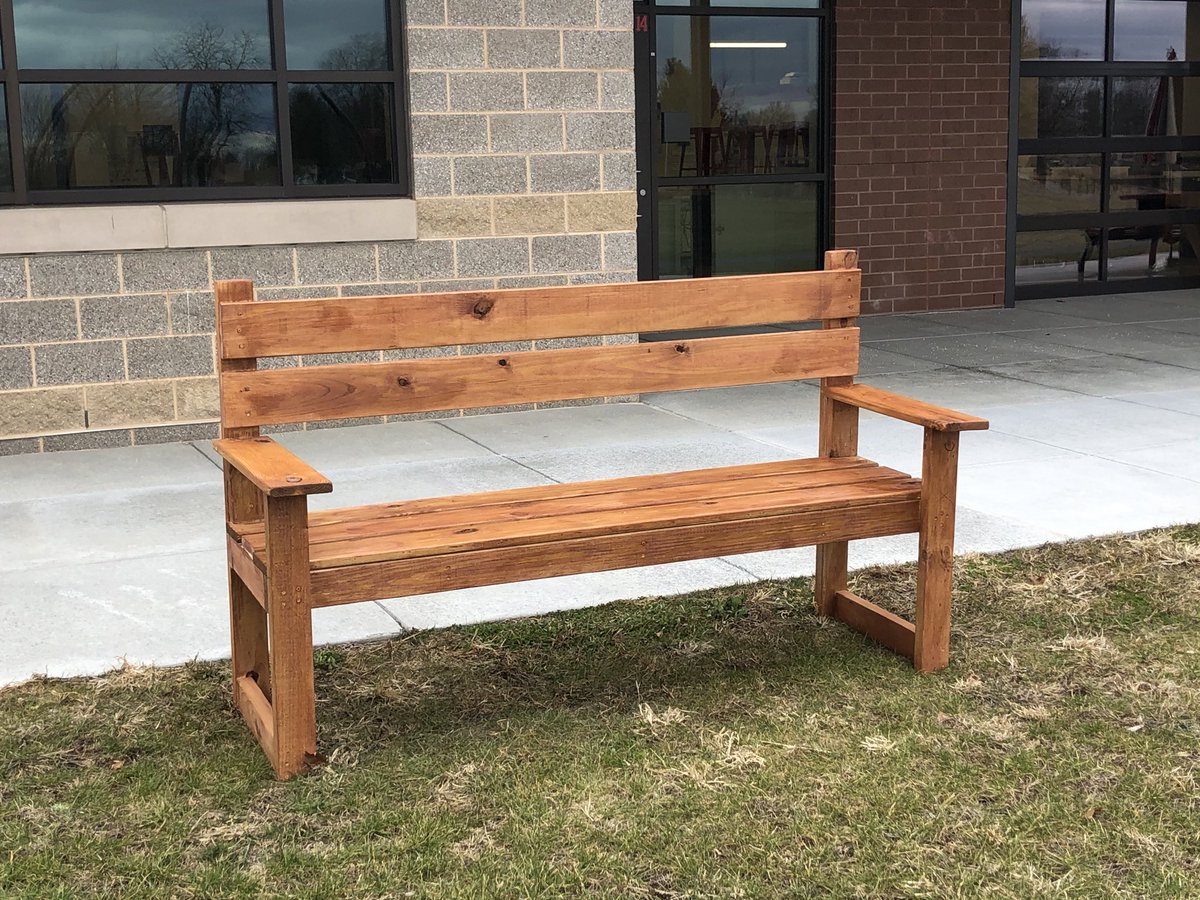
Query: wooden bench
(284, 562)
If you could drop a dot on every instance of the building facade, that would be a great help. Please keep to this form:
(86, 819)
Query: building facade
(974, 152)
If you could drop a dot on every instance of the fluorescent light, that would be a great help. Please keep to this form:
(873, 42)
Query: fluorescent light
(748, 45)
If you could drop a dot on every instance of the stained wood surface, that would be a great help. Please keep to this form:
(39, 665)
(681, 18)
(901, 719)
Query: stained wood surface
(935, 551)
(248, 568)
(287, 327)
(426, 385)
(256, 710)
(272, 468)
(395, 535)
(875, 622)
(229, 295)
(905, 408)
(502, 565)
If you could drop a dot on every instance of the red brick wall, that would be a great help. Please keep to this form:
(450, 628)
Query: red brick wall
(921, 138)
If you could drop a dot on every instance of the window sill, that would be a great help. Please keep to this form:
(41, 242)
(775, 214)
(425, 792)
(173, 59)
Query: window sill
(75, 229)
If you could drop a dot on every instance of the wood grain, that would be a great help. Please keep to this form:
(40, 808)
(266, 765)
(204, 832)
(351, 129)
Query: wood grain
(904, 408)
(230, 295)
(287, 327)
(452, 571)
(935, 553)
(428, 385)
(256, 709)
(272, 468)
(875, 622)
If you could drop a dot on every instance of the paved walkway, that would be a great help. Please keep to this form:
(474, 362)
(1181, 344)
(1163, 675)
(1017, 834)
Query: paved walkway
(1095, 410)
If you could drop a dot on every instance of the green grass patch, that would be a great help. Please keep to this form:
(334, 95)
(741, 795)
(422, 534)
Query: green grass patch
(720, 744)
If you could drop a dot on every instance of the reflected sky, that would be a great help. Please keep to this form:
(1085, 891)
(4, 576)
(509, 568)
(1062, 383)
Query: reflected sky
(349, 34)
(1144, 30)
(140, 34)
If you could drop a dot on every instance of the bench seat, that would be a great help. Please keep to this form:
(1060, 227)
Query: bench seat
(420, 546)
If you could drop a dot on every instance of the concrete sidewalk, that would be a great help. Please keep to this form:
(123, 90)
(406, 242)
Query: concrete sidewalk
(1095, 410)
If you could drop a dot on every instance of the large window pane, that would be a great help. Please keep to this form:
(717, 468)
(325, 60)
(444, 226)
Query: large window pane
(1156, 106)
(1061, 107)
(1153, 251)
(349, 34)
(737, 229)
(1156, 30)
(1058, 257)
(1062, 29)
(149, 135)
(1058, 184)
(6, 182)
(142, 34)
(738, 95)
(1152, 181)
(773, 4)
(342, 133)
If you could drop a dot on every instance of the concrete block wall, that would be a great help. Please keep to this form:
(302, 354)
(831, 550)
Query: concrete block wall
(523, 156)
(921, 150)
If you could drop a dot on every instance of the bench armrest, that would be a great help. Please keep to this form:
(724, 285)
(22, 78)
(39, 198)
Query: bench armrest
(904, 408)
(272, 468)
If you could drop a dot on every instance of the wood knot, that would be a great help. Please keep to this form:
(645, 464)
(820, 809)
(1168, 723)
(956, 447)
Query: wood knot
(403, 382)
(503, 362)
(681, 348)
(482, 308)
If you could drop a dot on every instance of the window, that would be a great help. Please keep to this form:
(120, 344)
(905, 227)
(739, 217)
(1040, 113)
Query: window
(152, 101)
(1107, 171)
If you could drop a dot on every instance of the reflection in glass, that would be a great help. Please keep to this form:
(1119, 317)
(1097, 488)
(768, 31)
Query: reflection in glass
(1152, 181)
(1062, 29)
(142, 34)
(1057, 257)
(737, 95)
(1156, 106)
(149, 135)
(342, 133)
(1155, 30)
(737, 229)
(1061, 107)
(1058, 184)
(347, 35)
(1153, 251)
(6, 182)
(773, 4)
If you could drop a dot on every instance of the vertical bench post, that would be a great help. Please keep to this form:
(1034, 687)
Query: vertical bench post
(838, 438)
(935, 556)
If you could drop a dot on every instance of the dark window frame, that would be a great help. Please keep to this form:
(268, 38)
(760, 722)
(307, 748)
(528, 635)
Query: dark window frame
(1107, 145)
(278, 75)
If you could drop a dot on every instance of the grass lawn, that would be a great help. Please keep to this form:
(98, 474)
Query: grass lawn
(720, 744)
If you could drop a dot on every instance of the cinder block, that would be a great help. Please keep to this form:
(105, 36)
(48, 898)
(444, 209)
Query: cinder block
(129, 403)
(74, 274)
(176, 434)
(41, 411)
(564, 173)
(170, 357)
(620, 252)
(198, 398)
(123, 316)
(573, 13)
(483, 12)
(449, 134)
(602, 211)
(192, 312)
(88, 440)
(527, 132)
(446, 217)
(431, 176)
(523, 49)
(490, 175)
(80, 363)
(530, 215)
(165, 270)
(386, 289)
(335, 263)
(493, 257)
(425, 12)
(486, 91)
(600, 131)
(616, 14)
(533, 281)
(619, 171)
(37, 321)
(563, 90)
(567, 253)
(16, 368)
(416, 260)
(442, 48)
(12, 278)
(616, 90)
(598, 49)
(265, 266)
(427, 92)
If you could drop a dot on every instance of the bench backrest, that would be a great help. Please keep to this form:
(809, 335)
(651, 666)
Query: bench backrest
(248, 330)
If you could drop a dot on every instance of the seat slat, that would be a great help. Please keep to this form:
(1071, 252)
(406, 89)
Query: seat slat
(316, 393)
(452, 571)
(459, 537)
(631, 487)
(335, 325)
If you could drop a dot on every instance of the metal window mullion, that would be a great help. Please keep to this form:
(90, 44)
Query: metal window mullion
(402, 165)
(12, 105)
(283, 123)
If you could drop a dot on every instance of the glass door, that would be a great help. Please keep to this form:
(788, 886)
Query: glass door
(733, 137)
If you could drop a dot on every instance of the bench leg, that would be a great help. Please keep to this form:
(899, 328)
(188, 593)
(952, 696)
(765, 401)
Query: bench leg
(935, 556)
(289, 615)
(839, 438)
